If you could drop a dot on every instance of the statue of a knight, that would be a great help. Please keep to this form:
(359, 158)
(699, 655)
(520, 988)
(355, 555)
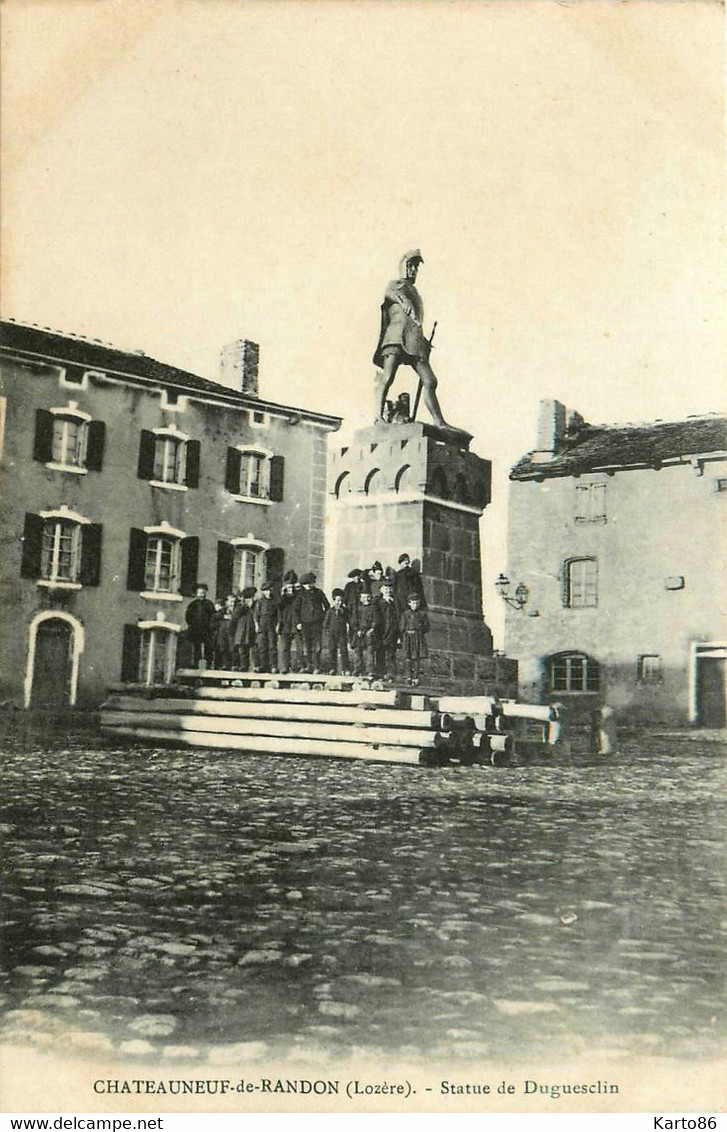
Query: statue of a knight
(402, 339)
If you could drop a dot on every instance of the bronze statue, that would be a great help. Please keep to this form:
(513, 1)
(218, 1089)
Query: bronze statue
(402, 340)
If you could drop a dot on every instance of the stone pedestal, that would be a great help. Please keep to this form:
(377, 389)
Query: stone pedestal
(418, 489)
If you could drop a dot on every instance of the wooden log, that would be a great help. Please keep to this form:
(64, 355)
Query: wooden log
(502, 744)
(467, 705)
(544, 712)
(292, 678)
(174, 723)
(389, 698)
(268, 744)
(314, 713)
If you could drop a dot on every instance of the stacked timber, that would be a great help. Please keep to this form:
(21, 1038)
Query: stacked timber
(295, 715)
(327, 716)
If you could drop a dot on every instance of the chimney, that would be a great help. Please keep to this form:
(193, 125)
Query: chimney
(551, 428)
(239, 362)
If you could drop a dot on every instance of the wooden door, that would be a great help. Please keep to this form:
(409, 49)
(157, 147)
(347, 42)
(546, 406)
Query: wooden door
(52, 664)
(712, 691)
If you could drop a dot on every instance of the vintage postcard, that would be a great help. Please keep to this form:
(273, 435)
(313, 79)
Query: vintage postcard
(364, 462)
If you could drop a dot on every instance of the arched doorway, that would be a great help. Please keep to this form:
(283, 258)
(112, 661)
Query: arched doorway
(55, 644)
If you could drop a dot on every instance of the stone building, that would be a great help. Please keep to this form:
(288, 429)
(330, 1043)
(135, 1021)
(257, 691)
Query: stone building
(413, 488)
(127, 481)
(617, 533)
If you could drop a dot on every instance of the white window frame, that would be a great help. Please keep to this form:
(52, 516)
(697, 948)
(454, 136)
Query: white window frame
(62, 415)
(151, 630)
(264, 423)
(584, 662)
(57, 517)
(648, 669)
(64, 383)
(243, 546)
(172, 534)
(581, 592)
(171, 434)
(179, 406)
(266, 456)
(590, 502)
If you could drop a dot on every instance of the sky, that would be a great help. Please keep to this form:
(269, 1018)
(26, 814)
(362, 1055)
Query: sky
(183, 173)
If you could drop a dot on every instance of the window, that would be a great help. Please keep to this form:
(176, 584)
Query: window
(590, 503)
(162, 563)
(157, 654)
(246, 562)
(61, 548)
(581, 583)
(648, 669)
(68, 440)
(573, 672)
(168, 458)
(254, 474)
(73, 378)
(720, 483)
(149, 652)
(169, 463)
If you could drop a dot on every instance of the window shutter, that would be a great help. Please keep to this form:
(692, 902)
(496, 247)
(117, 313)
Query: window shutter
(43, 443)
(277, 470)
(191, 477)
(225, 565)
(232, 471)
(274, 564)
(137, 560)
(130, 654)
(190, 563)
(95, 447)
(90, 574)
(32, 543)
(147, 447)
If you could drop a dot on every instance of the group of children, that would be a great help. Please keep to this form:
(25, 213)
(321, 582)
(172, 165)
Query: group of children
(287, 627)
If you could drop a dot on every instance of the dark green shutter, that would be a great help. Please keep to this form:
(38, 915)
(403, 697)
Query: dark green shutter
(277, 472)
(191, 475)
(232, 471)
(32, 545)
(95, 447)
(147, 448)
(137, 560)
(130, 654)
(91, 554)
(43, 441)
(189, 566)
(225, 565)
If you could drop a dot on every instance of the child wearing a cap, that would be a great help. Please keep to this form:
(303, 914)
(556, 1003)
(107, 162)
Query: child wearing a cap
(225, 636)
(365, 636)
(244, 635)
(389, 638)
(414, 626)
(266, 638)
(310, 608)
(335, 628)
(286, 624)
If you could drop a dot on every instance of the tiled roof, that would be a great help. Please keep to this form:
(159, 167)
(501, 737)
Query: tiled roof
(138, 367)
(600, 447)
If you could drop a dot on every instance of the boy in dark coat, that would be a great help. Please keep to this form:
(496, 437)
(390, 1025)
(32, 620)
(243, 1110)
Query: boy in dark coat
(310, 608)
(244, 634)
(407, 581)
(266, 620)
(335, 627)
(414, 626)
(365, 636)
(286, 625)
(198, 616)
(389, 638)
(225, 636)
(352, 592)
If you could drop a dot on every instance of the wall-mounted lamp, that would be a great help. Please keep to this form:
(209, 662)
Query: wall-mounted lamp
(518, 599)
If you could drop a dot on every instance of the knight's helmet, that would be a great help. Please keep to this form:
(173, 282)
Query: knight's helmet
(407, 258)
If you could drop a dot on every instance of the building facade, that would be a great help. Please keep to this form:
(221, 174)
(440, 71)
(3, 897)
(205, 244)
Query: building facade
(619, 534)
(127, 482)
